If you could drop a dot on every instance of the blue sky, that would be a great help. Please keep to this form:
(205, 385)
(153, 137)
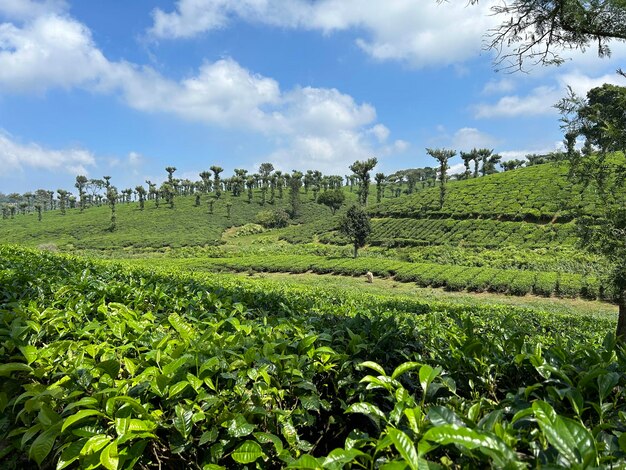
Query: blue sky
(127, 88)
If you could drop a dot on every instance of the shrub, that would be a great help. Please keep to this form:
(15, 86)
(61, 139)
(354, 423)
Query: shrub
(277, 218)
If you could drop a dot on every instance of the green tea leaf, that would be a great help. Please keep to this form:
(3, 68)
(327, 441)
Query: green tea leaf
(41, 447)
(109, 457)
(404, 368)
(78, 416)
(306, 462)
(248, 452)
(6, 369)
(404, 445)
(373, 366)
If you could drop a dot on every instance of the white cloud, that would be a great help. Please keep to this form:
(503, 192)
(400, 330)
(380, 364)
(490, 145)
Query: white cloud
(15, 156)
(504, 85)
(420, 33)
(51, 51)
(25, 9)
(540, 101)
(470, 137)
(307, 124)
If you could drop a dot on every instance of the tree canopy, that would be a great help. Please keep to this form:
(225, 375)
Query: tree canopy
(538, 31)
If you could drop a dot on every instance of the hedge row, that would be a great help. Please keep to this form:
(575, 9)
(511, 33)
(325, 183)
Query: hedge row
(454, 278)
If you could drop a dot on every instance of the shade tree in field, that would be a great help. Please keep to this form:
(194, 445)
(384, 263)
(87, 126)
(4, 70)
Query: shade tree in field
(217, 185)
(63, 194)
(600, 119)
(265, 169)
(380, 187)
(442, 156)
(295, 183)
(361, 170)
(355, 225)
(112, 196)
(467, 158)
(333, 199)
(141, 193)
(512, 164)
(81, 184)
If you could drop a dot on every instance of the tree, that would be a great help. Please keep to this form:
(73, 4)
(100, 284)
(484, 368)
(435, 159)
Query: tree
(141, 192)
(600, 120)
(467, 157)
(512, 164)
(170, 172)
(81, 183)
(442, 156)
(62, 200)
(295, 183)
(536, 31)
(217, 185)
(112, 200)
(380, 179)
(38, 208)
(264, 170)
(356, 226)
(361, 170)
(332, 199)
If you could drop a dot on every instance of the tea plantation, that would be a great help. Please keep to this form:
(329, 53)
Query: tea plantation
(120, 367)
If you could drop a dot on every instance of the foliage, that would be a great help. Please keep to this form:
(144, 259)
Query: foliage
(110, 367)
(355, 225)
(332, 199)
(276, 218)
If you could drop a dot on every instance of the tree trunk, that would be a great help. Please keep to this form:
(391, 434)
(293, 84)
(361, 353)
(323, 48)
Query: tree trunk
(620, 332)
(356, 249)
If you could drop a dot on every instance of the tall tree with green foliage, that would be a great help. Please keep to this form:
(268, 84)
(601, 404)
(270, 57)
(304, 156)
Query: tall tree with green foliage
(112, 200)
(361, 170)
(442, 156)
(217, 184)
(170, 174)
(600, 119)
(81, 184)
(141, 193)
(62, 199)
(355, 225)
(467, 157)
(295, 183)
(380, 188)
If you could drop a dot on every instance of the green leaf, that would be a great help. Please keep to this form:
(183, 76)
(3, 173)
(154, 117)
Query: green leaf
(404, 445)
(95, 443)
(404, 368)
(239, 427)
(6, 369)
(70, 454)
(368, 409)
(109, 457)
(248, 452)
(427, 374)
(178, 388)
(372, 365)
(76, 417)
(471, 439)
(306, 462)
(42, 446)
(266, 437)
(338, 458)
(182, 421)
(439, 415)
(606, 382)
(184, 329)
(29, 352)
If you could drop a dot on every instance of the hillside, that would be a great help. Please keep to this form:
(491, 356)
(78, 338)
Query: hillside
(509, 233)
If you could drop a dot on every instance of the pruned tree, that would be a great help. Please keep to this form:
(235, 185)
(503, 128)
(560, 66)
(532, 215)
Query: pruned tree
(295, 183)
(217, 185)
(361, 170)
(442, 156)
